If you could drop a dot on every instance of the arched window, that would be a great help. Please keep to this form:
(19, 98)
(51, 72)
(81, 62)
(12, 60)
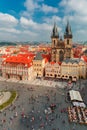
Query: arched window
(61, 56)
(54, 42)
(68, 41)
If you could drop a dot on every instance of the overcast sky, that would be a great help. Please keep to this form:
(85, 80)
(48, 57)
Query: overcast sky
(32, 20)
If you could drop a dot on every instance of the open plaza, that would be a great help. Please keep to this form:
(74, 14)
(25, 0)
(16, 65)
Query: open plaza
(40, 105)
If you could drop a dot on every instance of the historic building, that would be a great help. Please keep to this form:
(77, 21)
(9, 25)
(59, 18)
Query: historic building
(52, 69)
(39, 65)
(73, 68)
(61, 49)
(53, 62)
(17, 68)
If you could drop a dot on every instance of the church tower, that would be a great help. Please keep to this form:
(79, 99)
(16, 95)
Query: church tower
(55, 38)
(68, 41)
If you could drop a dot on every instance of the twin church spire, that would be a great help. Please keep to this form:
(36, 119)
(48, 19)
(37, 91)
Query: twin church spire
(67, 34)
(61, 49)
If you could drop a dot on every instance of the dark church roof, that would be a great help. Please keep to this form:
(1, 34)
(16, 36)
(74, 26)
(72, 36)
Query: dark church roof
(38, 56)
(55, 32)
(72, 60)
(61, 44)
(68, 32)
(85, 51)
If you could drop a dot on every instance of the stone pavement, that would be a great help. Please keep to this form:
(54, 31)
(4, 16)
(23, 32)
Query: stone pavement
(27, 112)
(40, 82)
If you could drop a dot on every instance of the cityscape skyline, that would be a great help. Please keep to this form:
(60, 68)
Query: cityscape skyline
(31, 20)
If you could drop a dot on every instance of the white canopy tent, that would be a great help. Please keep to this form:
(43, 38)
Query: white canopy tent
(79, 104)
(75, 96)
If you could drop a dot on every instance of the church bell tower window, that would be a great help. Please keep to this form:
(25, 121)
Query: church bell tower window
(68, 41)
(54, 42)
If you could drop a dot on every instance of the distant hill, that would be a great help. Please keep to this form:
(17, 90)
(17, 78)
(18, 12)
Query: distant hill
(85, 43)
(7, 43)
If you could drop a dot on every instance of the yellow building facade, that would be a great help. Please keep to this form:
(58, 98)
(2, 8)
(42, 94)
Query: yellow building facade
(73, 68)
(52, 70)
(39, 65)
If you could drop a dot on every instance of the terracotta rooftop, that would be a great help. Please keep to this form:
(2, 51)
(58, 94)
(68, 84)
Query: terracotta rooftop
(19, 59)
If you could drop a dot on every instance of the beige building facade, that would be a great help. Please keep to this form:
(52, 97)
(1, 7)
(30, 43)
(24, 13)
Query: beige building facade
(73, 68)
(39, 65)
(52, 70)
(17, 71)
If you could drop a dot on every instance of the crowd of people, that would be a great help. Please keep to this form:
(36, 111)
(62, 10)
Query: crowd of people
(36, 108)
(77, 114)
(45, 116)
(43, 112)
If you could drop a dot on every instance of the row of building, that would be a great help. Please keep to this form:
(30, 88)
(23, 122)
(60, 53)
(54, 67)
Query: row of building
(56, 62)
(73, 68)
(27, 68)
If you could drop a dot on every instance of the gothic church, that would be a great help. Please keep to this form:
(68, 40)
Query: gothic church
(61, 49)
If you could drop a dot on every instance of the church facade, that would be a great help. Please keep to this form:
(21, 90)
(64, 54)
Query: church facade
(61, 49)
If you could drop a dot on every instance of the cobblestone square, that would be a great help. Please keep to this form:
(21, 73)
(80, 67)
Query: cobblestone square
(28, 111)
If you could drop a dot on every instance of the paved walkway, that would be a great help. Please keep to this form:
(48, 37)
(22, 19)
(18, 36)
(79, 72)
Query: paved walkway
(40, 82)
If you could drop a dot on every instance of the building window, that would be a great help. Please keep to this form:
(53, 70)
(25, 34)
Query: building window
(68, 41)
(54, 42)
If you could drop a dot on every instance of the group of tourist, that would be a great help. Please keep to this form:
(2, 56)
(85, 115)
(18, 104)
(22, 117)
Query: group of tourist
(36, 118)
(77, 114)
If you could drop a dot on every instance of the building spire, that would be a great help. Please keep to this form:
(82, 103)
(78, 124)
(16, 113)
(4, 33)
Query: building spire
(68, 28)
(68, 32)
(55, 32)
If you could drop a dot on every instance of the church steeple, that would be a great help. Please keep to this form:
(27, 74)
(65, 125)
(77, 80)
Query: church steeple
(68, 32)
(55, 32)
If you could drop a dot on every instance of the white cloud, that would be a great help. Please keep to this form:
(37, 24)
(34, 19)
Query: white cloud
(77, 6)
(27, 23)
(75, 10)
(8, 24)
(52, 19)
(37, 6)
(11, 30)
(30, 6)
(81, 31)
(5, 36)
(80, 34)
(47, 9)
(29, 33)
(7, 20)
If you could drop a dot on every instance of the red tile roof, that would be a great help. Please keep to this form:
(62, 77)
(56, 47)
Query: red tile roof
(59, 63)
(5, 55)
(52, 62)
(84, 58)
(27, 55)
(55, 63)
(20, 59)
(48, 56)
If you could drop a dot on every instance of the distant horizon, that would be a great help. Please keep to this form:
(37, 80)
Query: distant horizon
(43, 42)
